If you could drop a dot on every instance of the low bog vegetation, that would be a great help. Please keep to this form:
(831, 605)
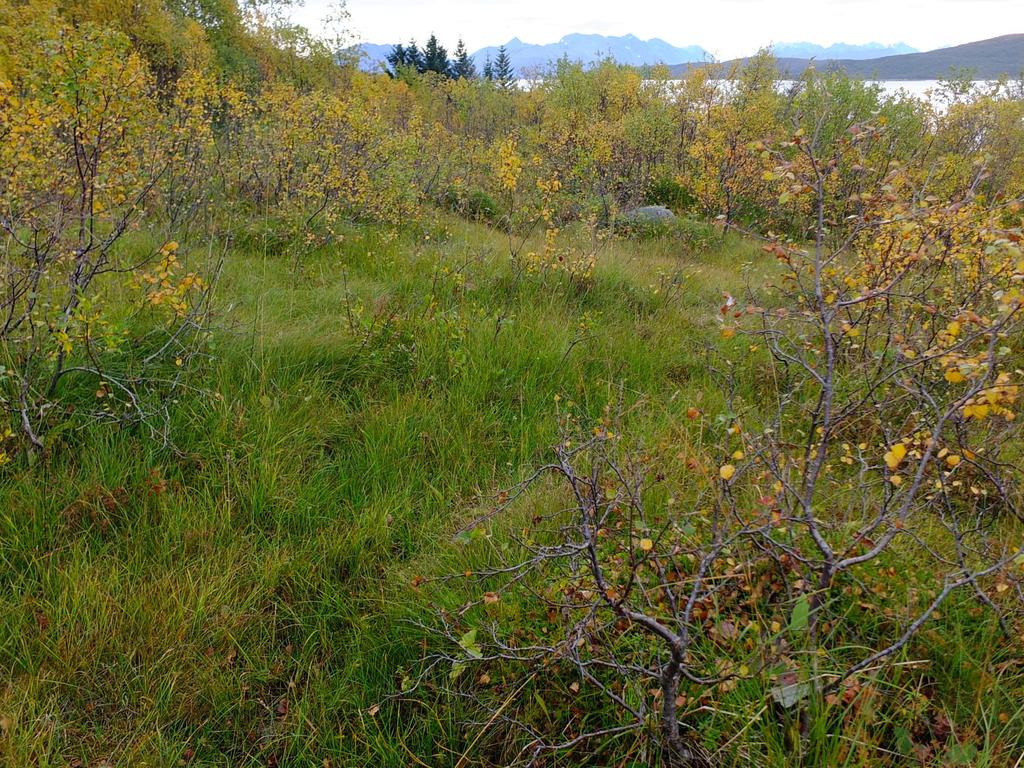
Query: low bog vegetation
(345, 423)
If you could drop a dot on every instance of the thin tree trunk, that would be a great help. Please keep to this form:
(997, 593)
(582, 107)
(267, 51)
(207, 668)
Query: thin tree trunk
(678, 750)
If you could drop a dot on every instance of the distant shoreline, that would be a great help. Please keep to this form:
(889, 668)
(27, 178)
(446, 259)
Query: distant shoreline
(983, 60)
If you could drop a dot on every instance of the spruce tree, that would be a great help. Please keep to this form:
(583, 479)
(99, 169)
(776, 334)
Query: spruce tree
(463, 66)
(488, 69)
(435, 58)
(397, 60)
(504, 74)
(414, 57)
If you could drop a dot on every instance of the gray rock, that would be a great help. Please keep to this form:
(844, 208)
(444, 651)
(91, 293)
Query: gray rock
(648, 214)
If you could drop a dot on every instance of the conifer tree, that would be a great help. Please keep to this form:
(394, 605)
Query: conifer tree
(463, 66)
(435, 58)
(407, 58)
(397, 59)
(488, 69)
(414, 57)
(504, 74)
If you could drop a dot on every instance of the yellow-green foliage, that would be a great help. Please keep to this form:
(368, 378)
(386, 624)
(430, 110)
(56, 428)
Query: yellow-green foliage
(245, 598)
(88, 152)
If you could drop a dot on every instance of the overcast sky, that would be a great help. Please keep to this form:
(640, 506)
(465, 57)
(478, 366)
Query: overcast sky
(727, 28)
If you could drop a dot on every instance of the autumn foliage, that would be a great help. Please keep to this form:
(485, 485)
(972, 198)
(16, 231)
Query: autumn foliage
(868, 392)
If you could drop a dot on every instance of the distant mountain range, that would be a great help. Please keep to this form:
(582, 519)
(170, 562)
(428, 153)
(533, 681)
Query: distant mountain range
(987, 59)
(530, 57)
(373, 55)
(631, 50)
(627, 49)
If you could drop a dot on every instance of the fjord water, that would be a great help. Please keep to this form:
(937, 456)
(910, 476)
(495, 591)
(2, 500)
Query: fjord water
(928, 90)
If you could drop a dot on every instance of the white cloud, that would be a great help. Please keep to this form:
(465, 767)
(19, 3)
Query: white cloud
(726, 27)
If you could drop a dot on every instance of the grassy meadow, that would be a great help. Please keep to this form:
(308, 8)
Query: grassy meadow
(247, 598)
(360, 419)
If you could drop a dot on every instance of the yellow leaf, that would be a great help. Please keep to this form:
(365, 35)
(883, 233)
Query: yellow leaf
(646, 545)
(895, 455)
(953, 376)
(726, 472)
(979, 411)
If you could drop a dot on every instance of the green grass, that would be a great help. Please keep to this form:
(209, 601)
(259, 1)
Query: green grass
(244, 599)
